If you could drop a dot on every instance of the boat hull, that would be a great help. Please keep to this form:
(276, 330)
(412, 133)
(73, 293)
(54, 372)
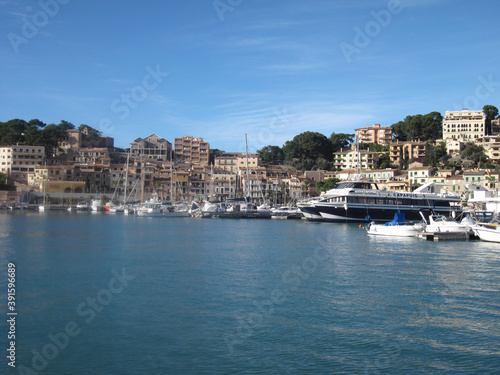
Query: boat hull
(310, 212)
(408, 230)
(363, 213)
(488, 234)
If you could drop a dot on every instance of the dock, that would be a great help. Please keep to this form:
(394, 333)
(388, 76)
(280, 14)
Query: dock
(235, 215)
(446, 236)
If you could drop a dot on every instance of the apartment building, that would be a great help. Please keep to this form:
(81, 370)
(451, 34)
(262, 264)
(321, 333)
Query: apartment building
(17, 161)
(414, 151)
(491, 145)
(374, 134)
(94, 156)
(193, 150)
(254, 161)
(223, 184)
(464, 125)
(151, 147)
(227, 162)
(351, 159)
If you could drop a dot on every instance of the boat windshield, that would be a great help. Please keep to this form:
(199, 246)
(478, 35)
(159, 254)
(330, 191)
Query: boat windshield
(356, 185)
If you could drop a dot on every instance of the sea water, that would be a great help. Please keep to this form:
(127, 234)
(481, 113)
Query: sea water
(114, 294)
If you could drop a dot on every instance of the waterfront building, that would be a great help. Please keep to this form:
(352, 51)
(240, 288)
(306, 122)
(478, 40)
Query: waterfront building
(464, 125)
(193, 150)
(151, 147)
(374, 134)
(19, 160)
(223, 184)
(199, 182)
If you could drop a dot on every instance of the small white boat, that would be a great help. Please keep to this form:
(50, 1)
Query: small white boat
(152, 207)
(264, 207)
(398, 227)
(117, 209)
(489, 231)
(441, 223)
(176, 210)
(286, 212)
(82, 206)
(96, 205)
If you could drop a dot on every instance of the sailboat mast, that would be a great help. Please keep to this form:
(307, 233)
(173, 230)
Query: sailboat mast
(171, 177)
(142, 180)
(247, 193)
(126, 181)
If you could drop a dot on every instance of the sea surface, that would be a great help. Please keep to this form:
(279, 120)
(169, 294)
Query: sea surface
(111, 294)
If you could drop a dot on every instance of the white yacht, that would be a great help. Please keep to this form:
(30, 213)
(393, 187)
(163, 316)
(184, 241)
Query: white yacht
(489, 231)
(358, 201)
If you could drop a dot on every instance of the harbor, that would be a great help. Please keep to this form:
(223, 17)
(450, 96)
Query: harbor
(310, 295)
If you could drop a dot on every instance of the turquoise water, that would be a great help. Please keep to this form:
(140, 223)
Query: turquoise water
(110, 294)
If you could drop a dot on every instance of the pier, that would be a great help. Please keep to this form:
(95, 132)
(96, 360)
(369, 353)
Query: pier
(446, 236)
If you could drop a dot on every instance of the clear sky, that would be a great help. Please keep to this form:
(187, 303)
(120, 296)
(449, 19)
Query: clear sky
(268, 68)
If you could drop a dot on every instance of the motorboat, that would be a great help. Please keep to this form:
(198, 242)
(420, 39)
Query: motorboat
(152, 207)
(489, 231)
(175, 210)
(441, 223)
(82, 206)
(286, 212)
(96, 204)
(398, 227)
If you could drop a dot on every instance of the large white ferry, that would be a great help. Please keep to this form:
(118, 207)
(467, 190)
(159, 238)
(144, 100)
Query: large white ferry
(358, 201)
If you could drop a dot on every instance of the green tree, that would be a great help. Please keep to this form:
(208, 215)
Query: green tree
(474, 154)
(311, 145)
(437, 155)
(341, 140)
(3, 179)
(491, 112)
(375, 147)
(421, 127)
(271, 154)
(326, 185)
(384, 161)
(213, 153)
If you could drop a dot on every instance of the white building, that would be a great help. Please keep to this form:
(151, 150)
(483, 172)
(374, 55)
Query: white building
(464, 125)
(17, 161)
(348, 159)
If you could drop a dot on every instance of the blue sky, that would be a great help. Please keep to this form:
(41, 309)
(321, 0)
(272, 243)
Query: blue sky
(220, 69)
